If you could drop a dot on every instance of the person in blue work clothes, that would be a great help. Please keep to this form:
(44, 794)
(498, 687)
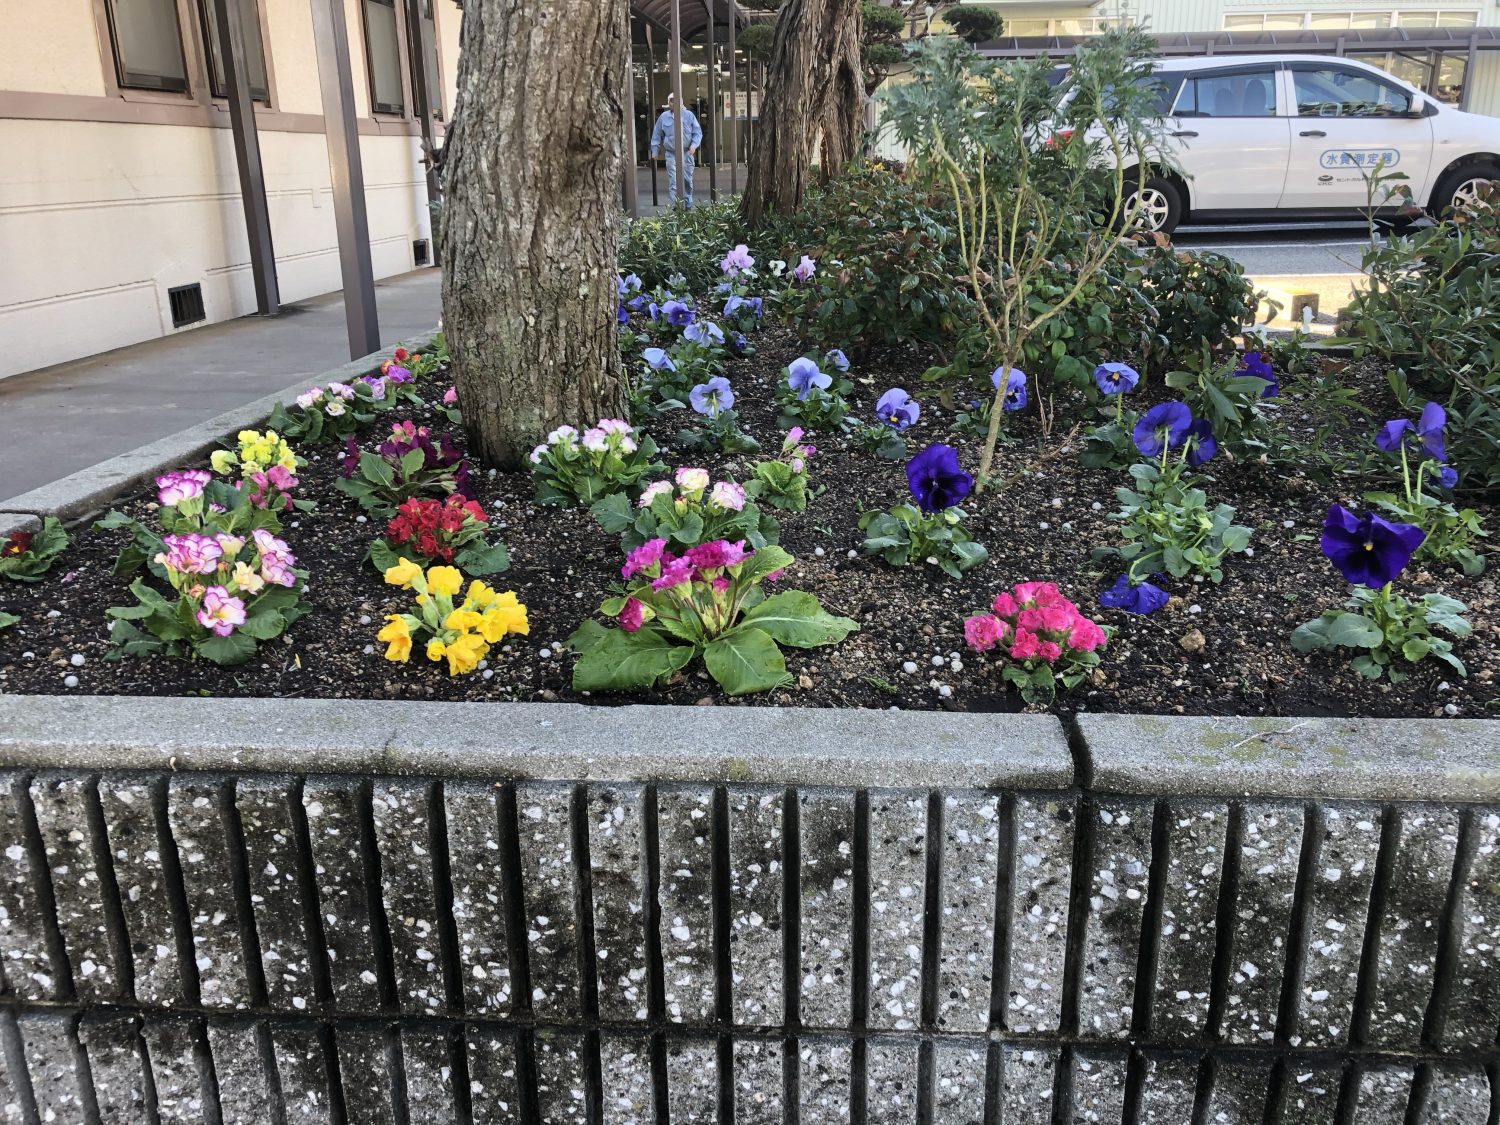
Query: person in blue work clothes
(664, 143)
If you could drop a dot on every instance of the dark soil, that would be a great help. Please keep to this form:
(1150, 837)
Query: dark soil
(1213, 650)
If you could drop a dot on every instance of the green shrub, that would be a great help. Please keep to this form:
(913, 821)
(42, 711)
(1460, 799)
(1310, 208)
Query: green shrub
(888, 263)
(687, 241)
(1432, 317)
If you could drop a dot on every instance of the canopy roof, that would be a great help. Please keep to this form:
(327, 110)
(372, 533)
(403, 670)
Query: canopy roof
(693, 14)
(1268, 42)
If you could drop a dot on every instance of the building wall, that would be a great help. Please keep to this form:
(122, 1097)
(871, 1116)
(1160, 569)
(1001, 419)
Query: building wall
(109, 198)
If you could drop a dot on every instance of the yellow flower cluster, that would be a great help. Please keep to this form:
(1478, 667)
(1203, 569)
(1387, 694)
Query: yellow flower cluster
(257, 453)
(460, 633)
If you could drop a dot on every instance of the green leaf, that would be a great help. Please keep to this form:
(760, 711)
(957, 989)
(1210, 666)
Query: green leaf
(377, 469)
(796, 618)
(7, 620)
(746, 661)
(1311, 637)
(614, 660)
(264, 626)
(233, 649)
(1351, 630)
(614, 513)
(481, 559)
(969, 555)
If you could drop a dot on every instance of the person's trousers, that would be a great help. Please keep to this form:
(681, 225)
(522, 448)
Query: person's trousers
(687, 176)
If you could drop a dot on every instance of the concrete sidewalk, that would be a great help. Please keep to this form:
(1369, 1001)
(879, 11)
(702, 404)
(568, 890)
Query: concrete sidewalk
(65, 418)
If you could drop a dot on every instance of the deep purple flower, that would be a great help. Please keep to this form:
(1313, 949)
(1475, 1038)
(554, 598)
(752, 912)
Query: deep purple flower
(936, 480)
(350, 458)
(711, 397)
(1428, 432)
(1133, 597)
(1116, 378)
(1257, 366)
(897, 409)
(622, 315)
(738, 342)
(803, 375)
(1173, 418)
(1447, 476)
(1202, 445)
(398, 374)
(678, 314)
(1368, 550)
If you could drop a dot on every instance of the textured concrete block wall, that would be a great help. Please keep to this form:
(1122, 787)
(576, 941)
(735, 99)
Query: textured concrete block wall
(473, 916)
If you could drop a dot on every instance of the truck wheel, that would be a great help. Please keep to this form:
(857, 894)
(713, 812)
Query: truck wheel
(1156, 204)
(1466, 186)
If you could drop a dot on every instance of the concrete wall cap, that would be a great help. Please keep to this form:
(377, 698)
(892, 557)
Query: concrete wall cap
(1358, 759)
(561, 741)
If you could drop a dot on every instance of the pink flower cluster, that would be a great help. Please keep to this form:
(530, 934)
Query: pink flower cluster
(705, 564)
(1033, 622)
(270, 489)
(276, 559)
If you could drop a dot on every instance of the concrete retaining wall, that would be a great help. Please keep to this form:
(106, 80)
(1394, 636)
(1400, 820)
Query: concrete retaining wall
(305, 911)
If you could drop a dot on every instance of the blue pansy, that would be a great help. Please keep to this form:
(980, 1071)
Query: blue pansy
(1015, 387)
(678, 314)
(1202, 445)
(897, 409)
(658, 360)
(712, 396)
(704, 332)
(1116, 378)
(803, 375)
(837, 359)
(1164, 426)
(1257, 366)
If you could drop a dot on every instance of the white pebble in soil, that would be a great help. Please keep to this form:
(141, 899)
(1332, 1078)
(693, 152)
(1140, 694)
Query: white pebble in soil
(1445, 686)
(369, 650)
(1450, 709)
(1195, 608)
(76, 660)
(819, 552)
(909, 667)
(853, 554)
(545, 654)
(956, 665)
(54, 613)
(945, 691)
(364, 618)
(28, 656)
(1044, 525)
(489, 673)
(70, 681)
(1096, 506)
(361, 519)
(937, 661)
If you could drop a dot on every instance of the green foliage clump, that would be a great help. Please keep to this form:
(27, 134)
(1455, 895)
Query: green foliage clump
(686, 241)
(1431, 316)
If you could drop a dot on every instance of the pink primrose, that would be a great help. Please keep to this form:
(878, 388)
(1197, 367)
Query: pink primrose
(983, 632)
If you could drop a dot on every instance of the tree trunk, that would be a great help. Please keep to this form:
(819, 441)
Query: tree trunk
(530, 238)
(843, 97)
(814, 66)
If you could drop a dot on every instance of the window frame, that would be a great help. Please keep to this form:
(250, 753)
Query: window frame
(113, 71)
(205, 29)
(1193, 76)
(1383, 79)
(403, 65)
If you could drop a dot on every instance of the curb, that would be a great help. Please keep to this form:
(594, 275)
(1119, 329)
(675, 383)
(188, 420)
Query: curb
(92, 489)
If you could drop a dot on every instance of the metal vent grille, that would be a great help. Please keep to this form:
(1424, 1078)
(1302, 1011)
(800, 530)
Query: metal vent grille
(187, 304)
(420, 252)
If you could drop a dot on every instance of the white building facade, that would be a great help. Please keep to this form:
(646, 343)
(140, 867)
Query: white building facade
(120, 193)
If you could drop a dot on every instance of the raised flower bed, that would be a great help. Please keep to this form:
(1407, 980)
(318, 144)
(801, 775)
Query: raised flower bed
(842, 514)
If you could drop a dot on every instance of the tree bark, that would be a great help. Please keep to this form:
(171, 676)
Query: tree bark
(813, 69)
(530, 238)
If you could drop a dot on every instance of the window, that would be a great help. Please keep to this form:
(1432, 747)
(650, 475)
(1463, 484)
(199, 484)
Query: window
(147, 41)
(383, 53)
(255, 53)
(430, 55)
(1248, 94)
(1334, 92)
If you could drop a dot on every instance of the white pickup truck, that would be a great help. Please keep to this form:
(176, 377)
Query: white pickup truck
(1295, 136)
